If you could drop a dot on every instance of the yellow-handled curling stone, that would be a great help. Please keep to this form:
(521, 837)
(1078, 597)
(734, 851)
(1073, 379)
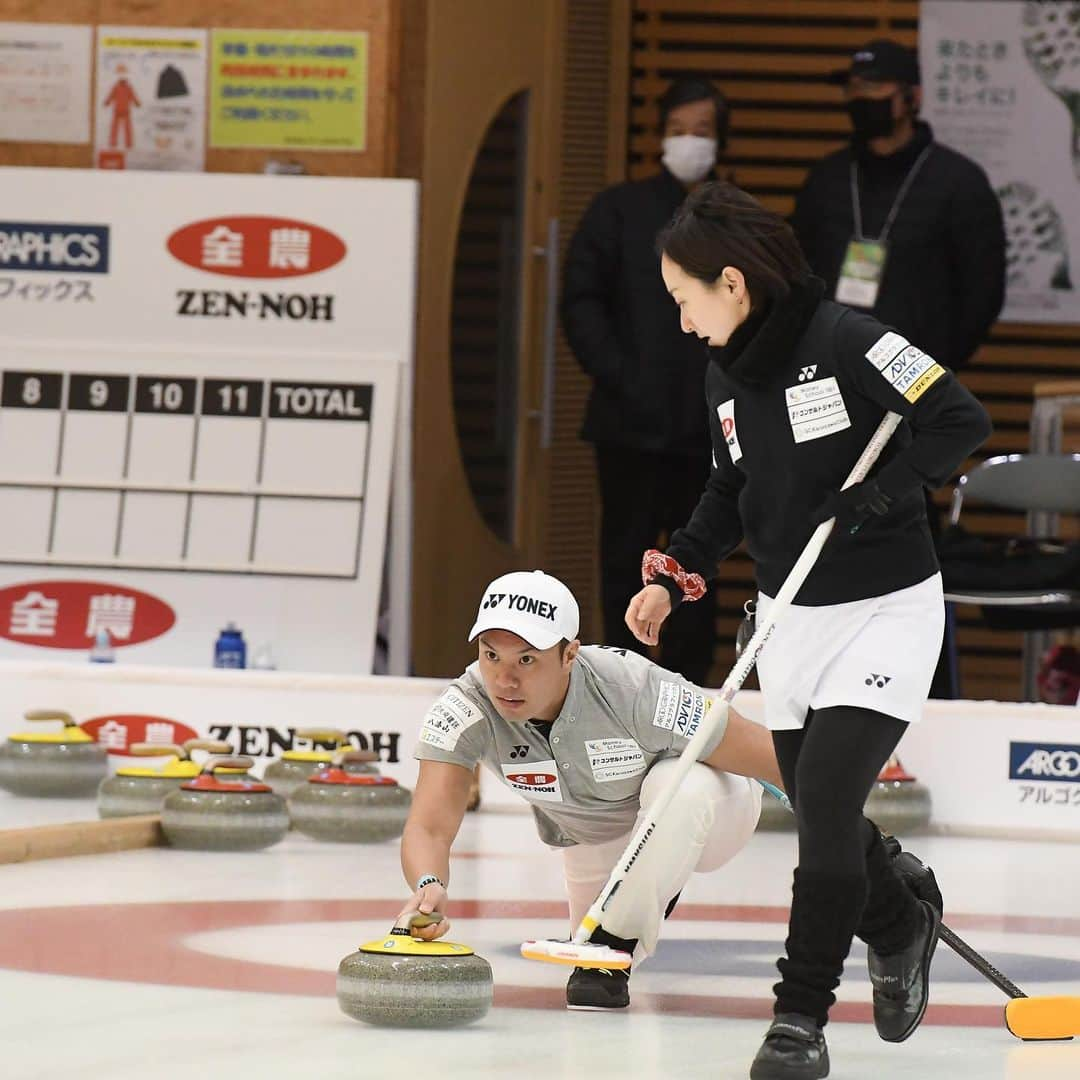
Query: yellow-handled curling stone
(294, 767)
(220, 810)
(137, 789)
(403, 981)
(340, 805)
(64, 763)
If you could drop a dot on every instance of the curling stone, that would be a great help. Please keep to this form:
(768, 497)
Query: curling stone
(341, 806)
(221, 812)
(898, 803)
(775, 816)
(140, 790)
(402, 981)
(55, 764)
(294, 767)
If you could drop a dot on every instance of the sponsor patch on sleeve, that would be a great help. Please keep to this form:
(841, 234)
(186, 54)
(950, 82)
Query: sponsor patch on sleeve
(909, 371)
(448, 719)
(924, 382)
(614, 759)
(886, 348)
(679, 709)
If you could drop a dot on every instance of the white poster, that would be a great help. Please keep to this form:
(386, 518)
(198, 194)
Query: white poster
(1001, 83)
(44, 83)
(199, 380)
(151, 98)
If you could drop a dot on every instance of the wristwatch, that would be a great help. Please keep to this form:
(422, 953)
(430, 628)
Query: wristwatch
(429, 879)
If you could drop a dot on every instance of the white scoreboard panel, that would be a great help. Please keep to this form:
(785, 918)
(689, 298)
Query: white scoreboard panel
(223, 444)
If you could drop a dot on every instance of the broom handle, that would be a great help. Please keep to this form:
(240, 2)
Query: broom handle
(743, 666)
(980, 963)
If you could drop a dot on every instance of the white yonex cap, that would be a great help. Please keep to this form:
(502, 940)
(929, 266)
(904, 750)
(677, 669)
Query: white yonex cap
(538, 608)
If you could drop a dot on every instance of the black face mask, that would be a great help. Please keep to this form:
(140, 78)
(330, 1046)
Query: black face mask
(871, 118)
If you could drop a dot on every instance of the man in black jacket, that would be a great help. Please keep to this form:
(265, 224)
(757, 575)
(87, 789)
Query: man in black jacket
(903, 227)
(899, 225)
(646, 414)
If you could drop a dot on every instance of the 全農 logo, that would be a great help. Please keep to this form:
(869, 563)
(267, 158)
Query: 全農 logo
(256, 247)
(1044, 761)
(59, 248)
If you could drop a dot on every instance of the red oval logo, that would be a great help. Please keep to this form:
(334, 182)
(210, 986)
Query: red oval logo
(69, 614)
(117, 733)
(256, 247)
(532, 779)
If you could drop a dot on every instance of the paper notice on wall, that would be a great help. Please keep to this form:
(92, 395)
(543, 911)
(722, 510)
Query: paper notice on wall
(151, 98)
(44, 83)
(289, 89)
(1004, 89)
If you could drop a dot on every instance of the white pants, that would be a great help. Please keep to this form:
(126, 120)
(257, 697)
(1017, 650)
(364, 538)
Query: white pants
(709, 821)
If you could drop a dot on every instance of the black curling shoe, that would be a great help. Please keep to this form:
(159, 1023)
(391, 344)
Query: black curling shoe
(597, 989)
(794, 1049)
(902, 982)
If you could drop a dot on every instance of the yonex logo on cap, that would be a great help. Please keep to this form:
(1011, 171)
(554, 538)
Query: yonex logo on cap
(519, 602)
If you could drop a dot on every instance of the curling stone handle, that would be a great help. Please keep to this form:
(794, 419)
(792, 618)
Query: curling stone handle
(152, 749)
(327, 735)
(417, 920)
(355, 757)
(214, 764)
(39, 715)
(211, 746)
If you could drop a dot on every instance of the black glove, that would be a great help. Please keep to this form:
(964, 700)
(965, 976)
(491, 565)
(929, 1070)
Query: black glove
(854, 507)
(914, 873)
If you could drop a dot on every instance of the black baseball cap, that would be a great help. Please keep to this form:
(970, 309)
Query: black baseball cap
(881, 60)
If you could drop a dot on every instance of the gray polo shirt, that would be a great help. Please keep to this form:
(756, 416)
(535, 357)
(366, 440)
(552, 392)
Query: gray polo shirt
(583, 778)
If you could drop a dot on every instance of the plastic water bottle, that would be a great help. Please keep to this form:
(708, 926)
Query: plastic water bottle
(102, 652)
(230, 651)
(263, 660)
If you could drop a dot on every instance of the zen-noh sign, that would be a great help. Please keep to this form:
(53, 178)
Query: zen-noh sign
(199, 380)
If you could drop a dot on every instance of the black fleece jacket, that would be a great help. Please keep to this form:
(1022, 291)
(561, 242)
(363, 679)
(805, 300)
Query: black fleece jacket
(944, 281)
(793, 401)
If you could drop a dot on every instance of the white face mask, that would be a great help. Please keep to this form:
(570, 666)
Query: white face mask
(689, 157)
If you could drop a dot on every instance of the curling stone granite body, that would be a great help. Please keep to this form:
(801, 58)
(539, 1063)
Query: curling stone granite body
(775, 817)
(63, 764)
(337, 806)
(230, 814)
(295, 767)
(899, 807)
(389, 989)
(125, 795)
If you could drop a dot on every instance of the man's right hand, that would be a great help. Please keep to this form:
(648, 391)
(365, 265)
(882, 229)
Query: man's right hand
(646, 613)
(430, 898)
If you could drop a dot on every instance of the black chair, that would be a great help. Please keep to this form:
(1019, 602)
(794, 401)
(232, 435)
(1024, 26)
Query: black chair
(1039, 484)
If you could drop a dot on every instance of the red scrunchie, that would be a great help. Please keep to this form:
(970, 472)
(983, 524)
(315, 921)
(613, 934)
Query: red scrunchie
(656, 562)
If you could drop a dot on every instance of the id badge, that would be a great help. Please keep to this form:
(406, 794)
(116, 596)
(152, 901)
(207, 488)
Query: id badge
(860, 274)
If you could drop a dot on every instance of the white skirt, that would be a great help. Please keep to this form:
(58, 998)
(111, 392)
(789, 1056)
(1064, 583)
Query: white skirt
(877, 654)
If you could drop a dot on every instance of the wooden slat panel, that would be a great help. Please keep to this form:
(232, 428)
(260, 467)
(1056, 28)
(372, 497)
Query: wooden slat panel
(769, 57)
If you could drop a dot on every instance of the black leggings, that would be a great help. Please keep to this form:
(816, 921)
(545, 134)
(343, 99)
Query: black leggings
(829, 768)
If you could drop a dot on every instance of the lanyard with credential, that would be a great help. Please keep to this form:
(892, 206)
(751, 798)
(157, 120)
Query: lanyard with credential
(856, 206)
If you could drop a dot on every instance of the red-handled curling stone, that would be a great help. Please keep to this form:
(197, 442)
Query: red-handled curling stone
(219, 811)
(337, 805)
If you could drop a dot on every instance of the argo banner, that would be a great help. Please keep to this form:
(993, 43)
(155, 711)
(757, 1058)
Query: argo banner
(200, 384)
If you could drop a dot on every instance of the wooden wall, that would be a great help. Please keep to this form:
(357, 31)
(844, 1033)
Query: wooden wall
(381, 18)
(770, 57)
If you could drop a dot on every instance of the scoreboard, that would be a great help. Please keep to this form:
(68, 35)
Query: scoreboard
(237, 468)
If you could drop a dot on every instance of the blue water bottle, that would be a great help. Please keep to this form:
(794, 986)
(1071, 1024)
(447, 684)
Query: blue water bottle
(230, 651)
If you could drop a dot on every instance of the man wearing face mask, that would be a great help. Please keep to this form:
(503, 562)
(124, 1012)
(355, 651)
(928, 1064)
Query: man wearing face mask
(899, 225)
(645, 415)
